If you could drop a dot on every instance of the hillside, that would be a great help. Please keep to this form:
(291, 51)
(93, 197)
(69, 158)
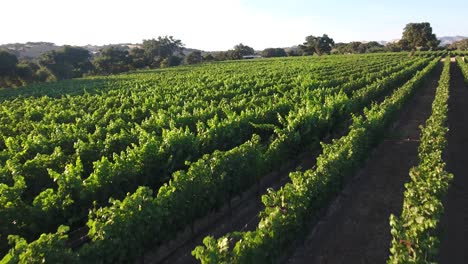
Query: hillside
(449, 40)
(32, 50)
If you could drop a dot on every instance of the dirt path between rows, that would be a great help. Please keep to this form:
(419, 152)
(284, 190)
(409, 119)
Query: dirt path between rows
(356, 229)
(454, 241)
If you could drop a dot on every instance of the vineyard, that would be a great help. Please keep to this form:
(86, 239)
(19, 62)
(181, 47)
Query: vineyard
(113, 169)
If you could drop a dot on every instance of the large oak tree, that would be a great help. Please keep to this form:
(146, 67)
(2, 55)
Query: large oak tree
(419, 36)
(319, 45)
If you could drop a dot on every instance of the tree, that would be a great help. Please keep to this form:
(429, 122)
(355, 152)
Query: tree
(221, 55)
(357, 47)
(340, 48)
(319, 45)
(138, 58)
(112, 60)
(8, 63)
(274, 52)
(419, 36)
(373, 46)
(208, 57)
(156, 50)
(194, 57)
(27, 72)
(239, 51)
(170, 61)
(67, 62)
(460, 45)
(292, 52)
(14, 73)
(393, 47)
(268, 53)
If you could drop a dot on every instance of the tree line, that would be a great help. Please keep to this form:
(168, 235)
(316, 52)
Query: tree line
(72, 62)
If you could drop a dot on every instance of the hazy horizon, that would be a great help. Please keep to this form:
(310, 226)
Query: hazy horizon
(207, 25)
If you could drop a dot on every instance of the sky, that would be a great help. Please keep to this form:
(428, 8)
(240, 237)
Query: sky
(219, 25)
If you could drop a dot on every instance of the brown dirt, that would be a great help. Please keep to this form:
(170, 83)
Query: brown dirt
(355, 228)
(454, 244)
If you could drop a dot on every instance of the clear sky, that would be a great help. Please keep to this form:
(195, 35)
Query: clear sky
(219, 25)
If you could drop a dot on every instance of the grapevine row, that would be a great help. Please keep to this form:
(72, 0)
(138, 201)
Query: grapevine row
(126, 229)
(146, 164)
(415, 236)
(287, 210)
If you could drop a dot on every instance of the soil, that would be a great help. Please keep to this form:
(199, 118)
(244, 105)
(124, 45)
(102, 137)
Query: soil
(454, 223)
(355, 228)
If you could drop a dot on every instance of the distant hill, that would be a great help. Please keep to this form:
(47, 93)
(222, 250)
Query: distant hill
(385, 42)
(29, 50)
(32, 50)
(443, 40)
(449, 40)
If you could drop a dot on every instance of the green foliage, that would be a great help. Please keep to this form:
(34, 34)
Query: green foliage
(27, 71)
(274, 52)
(460, 45)
(121, 218)
(112, 60)
(194, 57)
(357, 47)
(241, 50)
(162, 48)
(138, 58)
(170, 61)
(287, 210)
(8, 63)
(66, 63)
(237, 53)
(415, 233)
(14, 73)
(462, 63)
(12, 207)
(201, 134)
(418, 36)
(49, 248)
(208, 57)
(319, 45)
